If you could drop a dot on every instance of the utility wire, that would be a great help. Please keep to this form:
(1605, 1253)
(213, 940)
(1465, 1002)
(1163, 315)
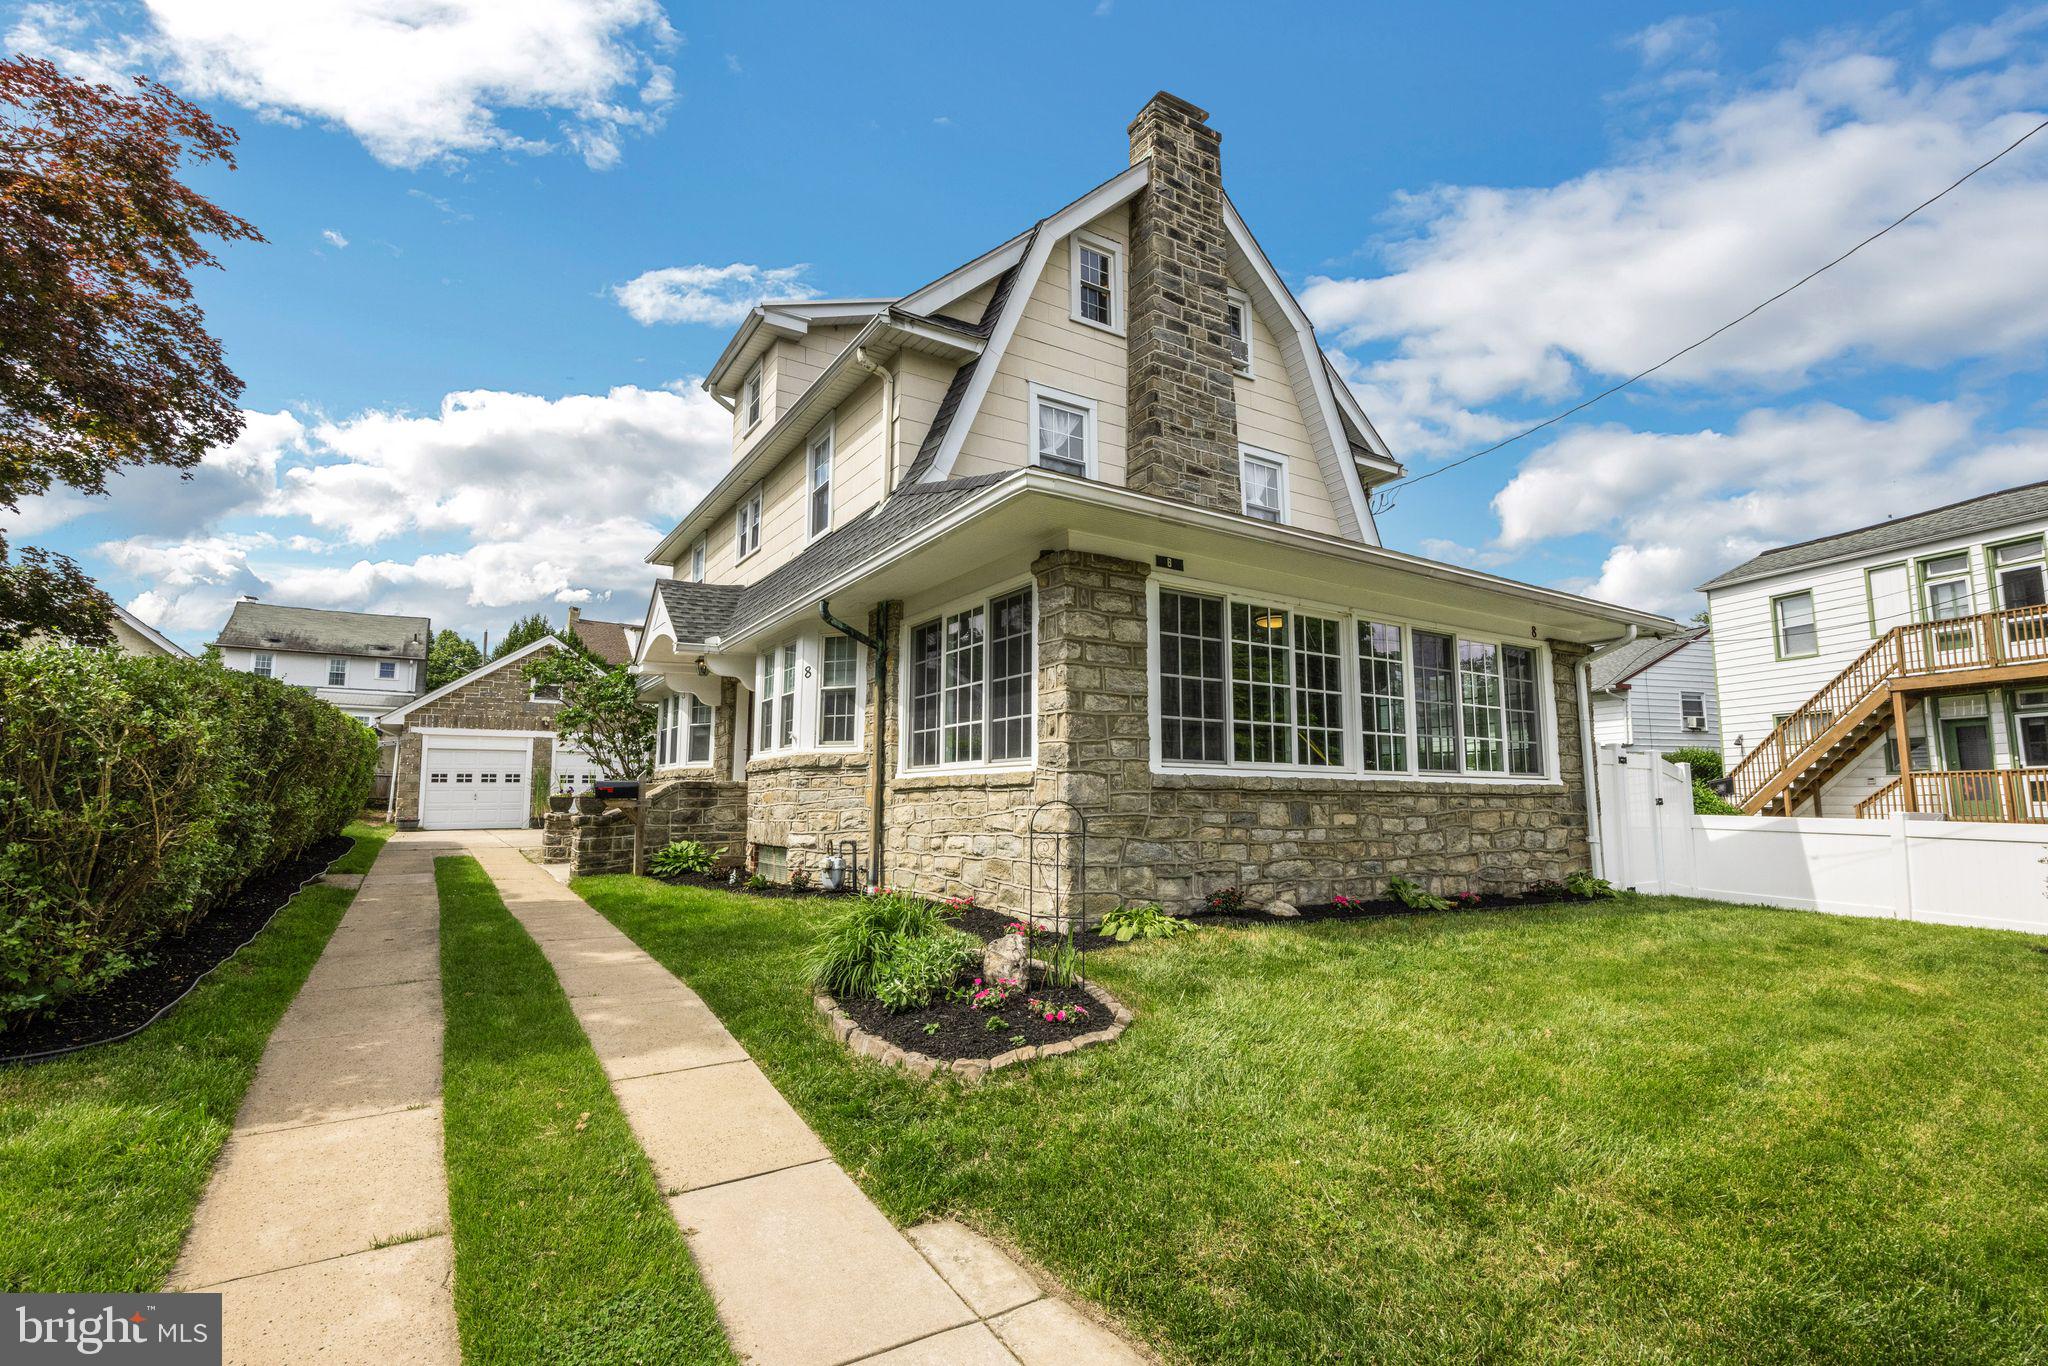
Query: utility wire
(1384, 496)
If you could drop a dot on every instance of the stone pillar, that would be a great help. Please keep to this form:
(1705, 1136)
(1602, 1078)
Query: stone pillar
(1094, 739)
(1182, 438)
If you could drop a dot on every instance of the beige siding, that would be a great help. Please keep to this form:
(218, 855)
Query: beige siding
(785, 530)
(1269, 417)
(1053, 350)
(969, 307)
(921, 384)
(798, 363)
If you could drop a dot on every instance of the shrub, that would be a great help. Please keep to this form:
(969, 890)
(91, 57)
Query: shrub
(683, 856)
(1706, 763)
(1141, 922)
(1707, 802)
(1227, 901)
(1412, 896)
(916, 967)
(137, 794)
(854, 943)
(1586, 887)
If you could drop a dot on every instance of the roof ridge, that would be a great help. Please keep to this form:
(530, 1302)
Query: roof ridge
(1895, 521)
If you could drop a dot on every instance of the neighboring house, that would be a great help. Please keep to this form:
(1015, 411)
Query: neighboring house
(363, 662)
(1656, 693)
(1931, 626)
(481, 752)
(611, 641)
(1079, 533)
(134, 636)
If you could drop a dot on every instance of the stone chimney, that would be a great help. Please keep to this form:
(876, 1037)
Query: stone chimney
(575, 615)
(1182, 384)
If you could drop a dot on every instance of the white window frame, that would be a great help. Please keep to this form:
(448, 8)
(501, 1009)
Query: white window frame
(817, 704)
(747, 525)
(1250, 454)
(751, 389)
(1353, 769)
(939, 612)
(1243, 303)
(673, 730)
(387, 668)
(1685, 712)
(822, 438)
(1042, 393)
(263, 663)
(1115, 253)
(699, 555)
(332, 662)
(535, 693)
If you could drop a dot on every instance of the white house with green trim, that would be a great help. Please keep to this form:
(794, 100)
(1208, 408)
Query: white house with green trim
(1791, 620)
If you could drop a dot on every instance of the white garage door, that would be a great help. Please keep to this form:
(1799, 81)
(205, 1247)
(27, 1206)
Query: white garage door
(476, 788)
(575, 771)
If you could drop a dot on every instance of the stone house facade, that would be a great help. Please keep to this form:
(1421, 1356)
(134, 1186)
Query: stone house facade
(1077, 539)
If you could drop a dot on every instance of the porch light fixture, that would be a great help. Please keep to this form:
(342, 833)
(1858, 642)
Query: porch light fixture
(1269, 621)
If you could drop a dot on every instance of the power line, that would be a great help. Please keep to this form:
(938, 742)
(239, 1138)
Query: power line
(1386, 493)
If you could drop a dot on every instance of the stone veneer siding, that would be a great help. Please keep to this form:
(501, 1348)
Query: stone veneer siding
(1182, 385)
(496, 701)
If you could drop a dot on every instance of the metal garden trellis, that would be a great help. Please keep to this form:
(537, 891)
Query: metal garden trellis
(1069, 848)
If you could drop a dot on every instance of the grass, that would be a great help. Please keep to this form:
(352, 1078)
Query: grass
(105, 1153)
(1653, 1130)
(564, 1250)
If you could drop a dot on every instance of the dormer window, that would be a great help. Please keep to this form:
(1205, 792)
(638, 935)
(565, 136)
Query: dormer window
(1062, 433)
(1098, 271)
(1237, 315)
(747, 525)
(750, 397)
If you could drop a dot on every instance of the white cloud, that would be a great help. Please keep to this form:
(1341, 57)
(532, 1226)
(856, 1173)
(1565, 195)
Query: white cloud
(1976, 44)
(1530, 294)
(333, 238)
(708, 294)
(414, 83)
(1681, 507)
(1683, 37)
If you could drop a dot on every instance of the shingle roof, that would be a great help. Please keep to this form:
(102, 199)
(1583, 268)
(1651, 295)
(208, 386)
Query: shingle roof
(1983, 513)
(1619, 663)
(315, 630)
(701, 611)
(949, 406)
(606, 639)
(697, 611)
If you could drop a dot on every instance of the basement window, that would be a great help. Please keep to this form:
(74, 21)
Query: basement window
(1098, 271)
(772, 861)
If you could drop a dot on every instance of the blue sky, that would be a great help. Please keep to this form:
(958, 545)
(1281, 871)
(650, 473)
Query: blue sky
(461, 404)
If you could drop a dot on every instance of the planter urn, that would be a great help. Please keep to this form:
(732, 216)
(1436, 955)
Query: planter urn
(559, 801)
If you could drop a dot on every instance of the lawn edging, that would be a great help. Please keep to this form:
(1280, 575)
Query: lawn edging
(973, 1071)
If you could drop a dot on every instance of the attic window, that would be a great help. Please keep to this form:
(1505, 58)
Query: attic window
(751, 397)
(1237, 314)
(1098, 283)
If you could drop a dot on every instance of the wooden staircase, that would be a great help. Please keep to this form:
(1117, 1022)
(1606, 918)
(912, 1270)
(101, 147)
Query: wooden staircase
(1860, 703)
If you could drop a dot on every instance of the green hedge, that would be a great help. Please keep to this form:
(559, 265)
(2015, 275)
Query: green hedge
(137, 794)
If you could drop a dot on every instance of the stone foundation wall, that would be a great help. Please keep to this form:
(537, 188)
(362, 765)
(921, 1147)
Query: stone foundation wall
(807, 803)
(950, 835)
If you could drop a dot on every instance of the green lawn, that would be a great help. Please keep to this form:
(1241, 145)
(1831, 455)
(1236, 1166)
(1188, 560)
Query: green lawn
(564, 1251)
(104, 1154)
(1654, 1130)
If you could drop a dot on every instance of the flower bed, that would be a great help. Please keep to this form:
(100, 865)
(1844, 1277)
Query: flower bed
(953, 1034)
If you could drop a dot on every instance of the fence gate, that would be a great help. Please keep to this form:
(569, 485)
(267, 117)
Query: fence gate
(1645, 833)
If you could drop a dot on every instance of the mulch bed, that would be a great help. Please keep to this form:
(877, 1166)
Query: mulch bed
(718, 882)
(963, 1031)
(171, 965)
(1369, 910)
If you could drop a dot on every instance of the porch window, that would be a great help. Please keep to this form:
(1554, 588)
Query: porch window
(1191, 714)
(1429, 702)
(1793, 618)
(1382, 695)
(777, 692)
(1946, 583)
(682, 731)
(2018, 571)
(841, 675)
(700, 732)
(970, 684)
(665, 732)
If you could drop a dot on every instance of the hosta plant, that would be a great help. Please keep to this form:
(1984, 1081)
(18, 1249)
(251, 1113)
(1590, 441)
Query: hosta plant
(683, 856)
(1126, 923)
(1412, 896)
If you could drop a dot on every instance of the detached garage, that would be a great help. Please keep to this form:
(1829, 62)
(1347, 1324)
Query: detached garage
(481, 753)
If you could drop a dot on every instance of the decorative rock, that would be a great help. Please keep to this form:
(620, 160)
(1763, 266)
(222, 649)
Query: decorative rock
(1282, 908)
(970, 1069)
(1005, 959)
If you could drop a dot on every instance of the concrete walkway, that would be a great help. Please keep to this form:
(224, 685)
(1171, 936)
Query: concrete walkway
(805, 1269)
(325, 1224)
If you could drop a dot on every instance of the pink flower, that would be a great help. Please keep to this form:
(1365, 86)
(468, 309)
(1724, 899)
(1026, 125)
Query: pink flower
(1063, 1014)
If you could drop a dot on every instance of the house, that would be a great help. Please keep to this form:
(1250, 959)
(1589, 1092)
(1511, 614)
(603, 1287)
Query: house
(611, 641)
(1900, 666)
(1657, 693)
(363, 662)
(1075, 540)
(481, 752)
(134, 636)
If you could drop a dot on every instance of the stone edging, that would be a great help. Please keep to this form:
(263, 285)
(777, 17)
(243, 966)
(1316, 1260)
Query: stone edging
(970, 1070)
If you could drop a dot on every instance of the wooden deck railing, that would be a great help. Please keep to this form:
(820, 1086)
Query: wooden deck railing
(1986, 640)
(1999, 794)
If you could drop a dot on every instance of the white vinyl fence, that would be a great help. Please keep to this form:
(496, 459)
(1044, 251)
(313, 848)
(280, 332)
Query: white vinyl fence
(1902, 868)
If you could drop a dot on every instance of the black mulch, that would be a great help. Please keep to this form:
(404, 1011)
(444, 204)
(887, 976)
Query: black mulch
(1370, 910)
(720, 882)
(172, 964)
(964, 1032)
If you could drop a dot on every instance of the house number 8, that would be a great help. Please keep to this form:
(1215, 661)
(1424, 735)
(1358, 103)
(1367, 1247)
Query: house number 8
(807, 671)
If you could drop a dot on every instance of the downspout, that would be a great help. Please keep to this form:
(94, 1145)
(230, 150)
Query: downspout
(888, 378)
(1589, 777)
(878, 673)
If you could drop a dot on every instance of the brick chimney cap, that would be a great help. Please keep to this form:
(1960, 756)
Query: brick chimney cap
(1169, 100)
